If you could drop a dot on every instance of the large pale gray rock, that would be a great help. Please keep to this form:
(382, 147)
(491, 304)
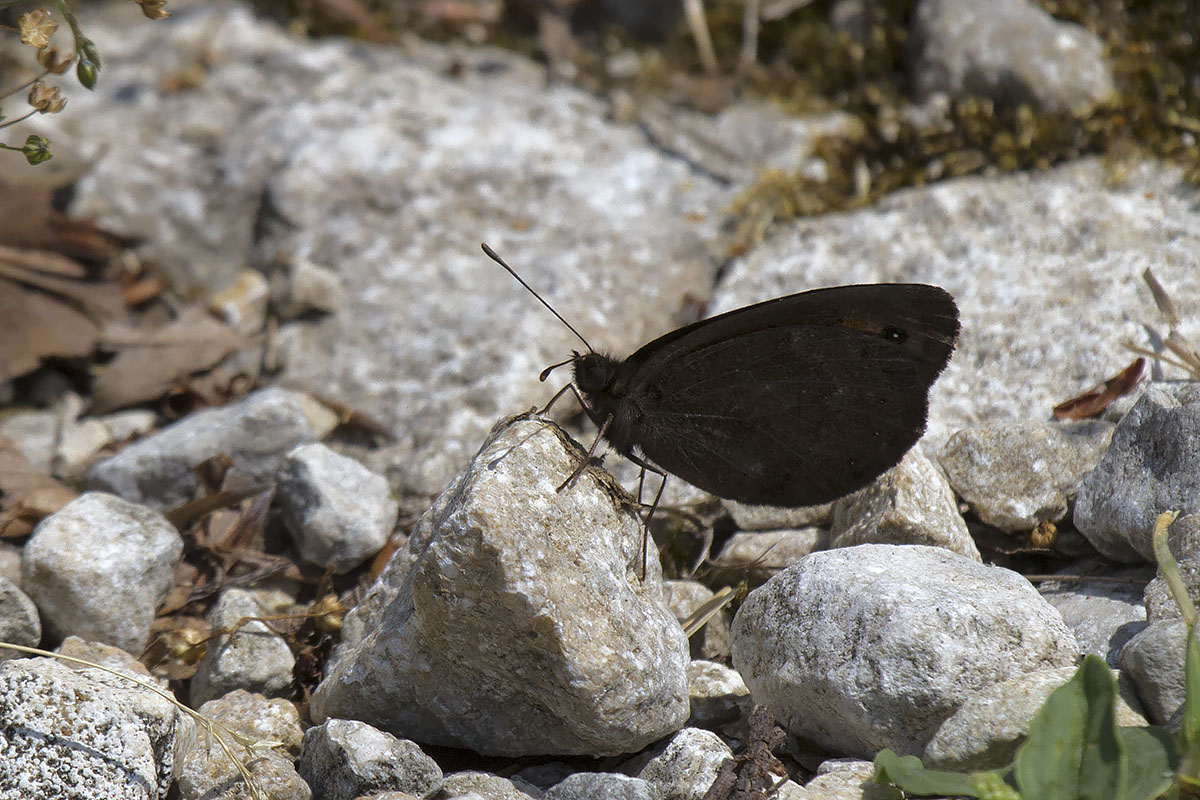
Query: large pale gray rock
(717, 694)
(1046, 269)
(80, 732)
(838, 779)
(33, 434)
(207, 774)
(98, 568)
(1009, 50)
(342, 759)
(255, 433)
(284, 148)
(485, 786)
(874, 646)
(391, 164)
(253, 658)
(524, 625)
(988, 728)
(1153, 662)
(1103, 614)
(911, 503)
(339, 512)
(1152, 466)
(684, 766)
(20, 624)
(609, 785)
(1015, 475)
(10, 563)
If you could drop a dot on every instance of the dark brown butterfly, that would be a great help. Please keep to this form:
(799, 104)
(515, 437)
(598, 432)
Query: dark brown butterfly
(790, 402)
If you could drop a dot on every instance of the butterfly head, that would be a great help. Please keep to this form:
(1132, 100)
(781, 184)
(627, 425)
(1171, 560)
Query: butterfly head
(593, 372)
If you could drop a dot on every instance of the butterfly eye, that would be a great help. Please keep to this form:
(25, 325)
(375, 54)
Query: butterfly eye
(592, 374)
(596, 376)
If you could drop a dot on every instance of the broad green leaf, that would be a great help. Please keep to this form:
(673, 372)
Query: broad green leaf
(1188, 740)
(1102, 766)
(1072, 751)
(909, 774)
(1150, 763)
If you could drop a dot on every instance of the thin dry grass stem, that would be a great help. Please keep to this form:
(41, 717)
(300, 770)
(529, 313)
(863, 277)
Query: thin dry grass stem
(751, 19)
(1186, 355)
(213, 730)
(693, 11)
(1158, 356)
(1166, 306)
(707, 610)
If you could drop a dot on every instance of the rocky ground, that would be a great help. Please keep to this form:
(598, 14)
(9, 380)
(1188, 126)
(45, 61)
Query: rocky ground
(359, 561)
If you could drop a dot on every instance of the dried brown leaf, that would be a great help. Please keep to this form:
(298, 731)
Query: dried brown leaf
(85, 240)
(355, 420)
(149, 363)
(29, 494)
(272, 566)
(142, 290)
(250, 523)
(188, 513)
(179, 644)
(1093, 402)
(36, 326)
(42, 261)
(356, 13)
(52, 273)
(186, 577)
(381, 559)
(28, 219)
(458, 12)
(23, 214)
(1178, 344)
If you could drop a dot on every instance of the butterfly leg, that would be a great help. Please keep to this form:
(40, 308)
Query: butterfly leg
(662, 484)
(557, 395)
(588, 458)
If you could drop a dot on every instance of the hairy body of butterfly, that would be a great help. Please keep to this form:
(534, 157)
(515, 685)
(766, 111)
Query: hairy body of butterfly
(790, 402)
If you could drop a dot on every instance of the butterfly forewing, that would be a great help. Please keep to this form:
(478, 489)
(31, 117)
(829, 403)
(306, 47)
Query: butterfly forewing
(794, 401)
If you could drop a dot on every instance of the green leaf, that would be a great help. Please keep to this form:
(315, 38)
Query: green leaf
(909, 774)
(1188, 740)
(1150, 760)
(1189, 728)
(1102, 766)
(1072, 751)
(992, 786)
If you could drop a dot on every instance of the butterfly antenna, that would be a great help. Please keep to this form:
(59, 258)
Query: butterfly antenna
(494, 257)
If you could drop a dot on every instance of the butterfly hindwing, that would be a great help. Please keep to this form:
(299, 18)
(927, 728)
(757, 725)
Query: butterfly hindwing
(794, 401)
